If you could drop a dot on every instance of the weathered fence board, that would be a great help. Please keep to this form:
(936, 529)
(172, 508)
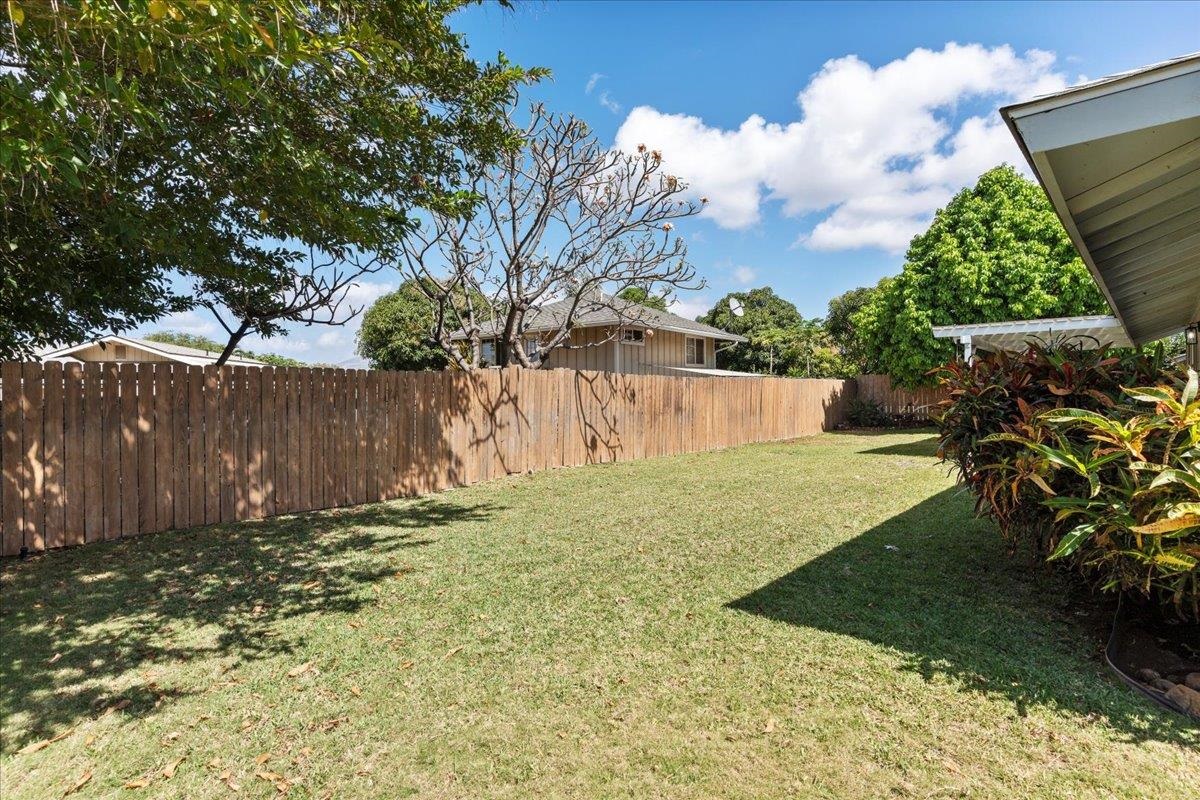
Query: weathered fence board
(895, 400)
(100, 451)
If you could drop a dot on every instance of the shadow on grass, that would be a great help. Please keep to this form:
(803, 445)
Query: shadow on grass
(77, 623)
(921, 447)
(935, 584)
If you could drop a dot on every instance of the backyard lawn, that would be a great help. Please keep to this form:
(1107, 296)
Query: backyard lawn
(820, 618)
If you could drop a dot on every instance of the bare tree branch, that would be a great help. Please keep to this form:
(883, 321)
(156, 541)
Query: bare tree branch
(260, 301)
(561, 219)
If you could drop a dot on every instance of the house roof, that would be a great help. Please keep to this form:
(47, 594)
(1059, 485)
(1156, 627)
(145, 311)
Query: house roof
(175, 352)
(1015, 335)
(708, 372)
(1119, 159)
(607, 310)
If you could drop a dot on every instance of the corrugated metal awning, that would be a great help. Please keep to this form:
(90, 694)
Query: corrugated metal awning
(1120, 160)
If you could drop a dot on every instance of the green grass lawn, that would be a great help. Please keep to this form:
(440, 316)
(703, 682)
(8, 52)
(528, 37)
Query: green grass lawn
(821, 618)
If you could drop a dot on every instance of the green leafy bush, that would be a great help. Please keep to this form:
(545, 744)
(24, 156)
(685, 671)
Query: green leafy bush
(863, 413)
(1074, 465)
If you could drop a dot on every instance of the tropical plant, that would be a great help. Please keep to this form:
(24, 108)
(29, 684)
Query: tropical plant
(762, 314)
(995, 252)
(782, 342)
(1128, 510)
(636, 294)
(1072, 464)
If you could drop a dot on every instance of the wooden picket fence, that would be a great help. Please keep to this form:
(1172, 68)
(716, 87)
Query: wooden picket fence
(895, 400)
(95, 452)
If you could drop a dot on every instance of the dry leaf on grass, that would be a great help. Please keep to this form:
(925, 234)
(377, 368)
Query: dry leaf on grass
(54, 658)
(262, 758)
(120, 705)
(169, 770)
(354, 690)
(79, 783)
(278, 781)
(138, 783)
(452, 651)
(33, 747)
(296, 672)
(770, 726)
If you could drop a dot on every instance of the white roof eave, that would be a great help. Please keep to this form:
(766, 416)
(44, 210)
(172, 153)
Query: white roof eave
(1143, 206)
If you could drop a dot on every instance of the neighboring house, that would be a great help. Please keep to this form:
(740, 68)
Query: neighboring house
(613, 335)
(126, 348)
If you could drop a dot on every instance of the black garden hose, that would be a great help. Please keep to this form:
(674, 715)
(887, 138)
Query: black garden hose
(1154, 694)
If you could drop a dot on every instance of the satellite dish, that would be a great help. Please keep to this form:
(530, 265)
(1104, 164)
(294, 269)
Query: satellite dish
(735, 307)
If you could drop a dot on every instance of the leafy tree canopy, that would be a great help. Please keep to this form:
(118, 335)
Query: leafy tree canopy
(205, 343)
(222, 140)
(844, 334)
(397, 331)
(636, 294)
(995, 252)
(781, 342)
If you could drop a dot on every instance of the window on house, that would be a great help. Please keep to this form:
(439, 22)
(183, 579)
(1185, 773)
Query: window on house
(487, 352)
(120, 352)
(531, 347)
(695, 352)
(633, 336)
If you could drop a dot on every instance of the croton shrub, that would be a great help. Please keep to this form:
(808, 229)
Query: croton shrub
(1089, 458)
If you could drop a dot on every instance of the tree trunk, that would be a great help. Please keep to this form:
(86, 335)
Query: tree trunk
(234, 339)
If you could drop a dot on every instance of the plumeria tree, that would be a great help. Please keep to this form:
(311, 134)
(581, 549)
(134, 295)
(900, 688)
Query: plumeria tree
(561, 218)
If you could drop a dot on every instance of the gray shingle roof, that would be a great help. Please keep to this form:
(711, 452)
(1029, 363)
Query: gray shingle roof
(608, 311)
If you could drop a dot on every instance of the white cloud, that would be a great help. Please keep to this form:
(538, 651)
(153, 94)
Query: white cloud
(690, 307)
(332, 338)
(592, 81)
(607, 101)
(744, 276)
(875, 149)
(363, 293)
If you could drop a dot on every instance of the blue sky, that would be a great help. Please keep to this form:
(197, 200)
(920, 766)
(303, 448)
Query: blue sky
(824, 134)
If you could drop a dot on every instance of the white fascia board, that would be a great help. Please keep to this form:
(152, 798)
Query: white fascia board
(1120, 110)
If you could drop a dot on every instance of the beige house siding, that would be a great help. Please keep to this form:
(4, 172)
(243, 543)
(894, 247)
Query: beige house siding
(661, 349)
(134, 351)
(109, 353)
